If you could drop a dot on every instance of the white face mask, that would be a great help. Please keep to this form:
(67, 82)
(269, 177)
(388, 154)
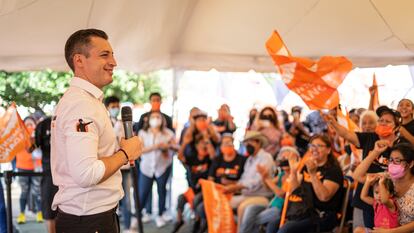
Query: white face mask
(155, 122)
(265, 123)
(113, 112)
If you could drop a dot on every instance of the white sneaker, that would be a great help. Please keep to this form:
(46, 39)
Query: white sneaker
(134, 223)
(130, 231)
(159, 222)
(167, 217)
(146, 218)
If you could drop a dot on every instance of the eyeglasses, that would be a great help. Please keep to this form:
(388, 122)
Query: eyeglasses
(316, 146)
(397, 161)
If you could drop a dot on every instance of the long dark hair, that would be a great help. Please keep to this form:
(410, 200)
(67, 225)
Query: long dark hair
(273, 119)
(332, 161)
(146, 125)
(407, 151)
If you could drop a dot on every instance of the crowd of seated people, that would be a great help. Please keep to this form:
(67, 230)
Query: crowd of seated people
(290, 172)
(293, 170)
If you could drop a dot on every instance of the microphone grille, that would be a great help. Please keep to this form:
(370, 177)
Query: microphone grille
(126, 113)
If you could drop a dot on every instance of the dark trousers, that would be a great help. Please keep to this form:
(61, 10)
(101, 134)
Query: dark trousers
(312, 224)
(145, 187)
(106, 222)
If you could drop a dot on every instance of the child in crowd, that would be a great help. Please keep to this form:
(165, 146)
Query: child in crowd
(385, 208)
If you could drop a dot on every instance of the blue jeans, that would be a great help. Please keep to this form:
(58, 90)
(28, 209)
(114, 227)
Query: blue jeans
(145, 187)
(3, 216)
(311, 224)
(126, 200)
(148, 204)
(30, 186)
(256, 215)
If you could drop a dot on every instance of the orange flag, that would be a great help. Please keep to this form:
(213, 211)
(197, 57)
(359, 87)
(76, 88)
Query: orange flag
(315, 82)
(374, 100)
(219, 213)
(346, 121)
(14, 136)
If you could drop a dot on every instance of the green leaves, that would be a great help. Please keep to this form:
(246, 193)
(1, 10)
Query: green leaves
(35, 89)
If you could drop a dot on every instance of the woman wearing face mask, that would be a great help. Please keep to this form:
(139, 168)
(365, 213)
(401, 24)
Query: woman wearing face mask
(406, 108)
(385, 132)
(401, 171)
(155, 162)
(267, 123)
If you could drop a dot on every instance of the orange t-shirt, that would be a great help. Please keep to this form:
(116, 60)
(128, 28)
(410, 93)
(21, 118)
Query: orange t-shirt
(24, 160)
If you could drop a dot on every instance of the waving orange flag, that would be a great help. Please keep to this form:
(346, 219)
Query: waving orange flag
(315, 82)
(14, 136)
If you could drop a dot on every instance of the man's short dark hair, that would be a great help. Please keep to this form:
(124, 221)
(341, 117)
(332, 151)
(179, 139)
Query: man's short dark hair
(78, 43)
(155, 94)
(111, 99)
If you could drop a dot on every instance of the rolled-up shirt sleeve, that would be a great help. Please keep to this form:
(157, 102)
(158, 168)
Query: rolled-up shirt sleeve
(82, 150)
(251, 179)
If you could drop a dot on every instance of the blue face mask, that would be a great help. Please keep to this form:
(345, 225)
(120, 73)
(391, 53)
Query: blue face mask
(113, 112)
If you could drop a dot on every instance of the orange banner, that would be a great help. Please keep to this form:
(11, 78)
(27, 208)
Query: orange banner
(220, 217)
(14, 136)
(346, 121)
(315, 82)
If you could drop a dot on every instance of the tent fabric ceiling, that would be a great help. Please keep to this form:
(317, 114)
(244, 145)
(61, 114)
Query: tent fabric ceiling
(227, 35)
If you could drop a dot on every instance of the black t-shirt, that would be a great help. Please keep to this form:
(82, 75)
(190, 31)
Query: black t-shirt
(326, 172)
(221, 123)
(42, 140)
(301, 142)
(198, 168)
(229, 170)
(367, 143)
(410, 128)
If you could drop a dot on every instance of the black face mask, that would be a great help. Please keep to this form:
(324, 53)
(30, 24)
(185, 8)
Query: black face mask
(250, 149)
(284, 163)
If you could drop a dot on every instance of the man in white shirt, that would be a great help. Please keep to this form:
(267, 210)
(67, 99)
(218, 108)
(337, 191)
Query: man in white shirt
(253, 190)
(85, 155)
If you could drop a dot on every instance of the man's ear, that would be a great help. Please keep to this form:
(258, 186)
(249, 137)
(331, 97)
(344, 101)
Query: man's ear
(78, 60)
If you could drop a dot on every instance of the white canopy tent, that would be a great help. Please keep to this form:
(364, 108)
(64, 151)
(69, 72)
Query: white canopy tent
(227, 35)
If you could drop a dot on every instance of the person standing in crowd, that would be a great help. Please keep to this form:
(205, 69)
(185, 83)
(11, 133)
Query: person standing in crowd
(388, 122)
(194, 111)
(297, 129)
(252, 117)
(85, 155)
(156, 162)
(29, 185)
(155, 101)
(113, 105)
(224, 122)
(267, 124)
(406, 108)
(48, 190)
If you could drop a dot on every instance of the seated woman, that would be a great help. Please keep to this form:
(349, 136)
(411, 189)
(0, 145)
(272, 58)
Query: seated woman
(401, 171)
(226, 169)
(198, 160)
(263, 213)
(317, 188)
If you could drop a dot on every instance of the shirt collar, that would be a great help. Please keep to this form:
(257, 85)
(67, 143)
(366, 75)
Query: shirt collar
(87, 86)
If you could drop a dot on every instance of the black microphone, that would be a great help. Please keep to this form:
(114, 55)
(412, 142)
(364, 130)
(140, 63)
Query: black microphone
(126, 115)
